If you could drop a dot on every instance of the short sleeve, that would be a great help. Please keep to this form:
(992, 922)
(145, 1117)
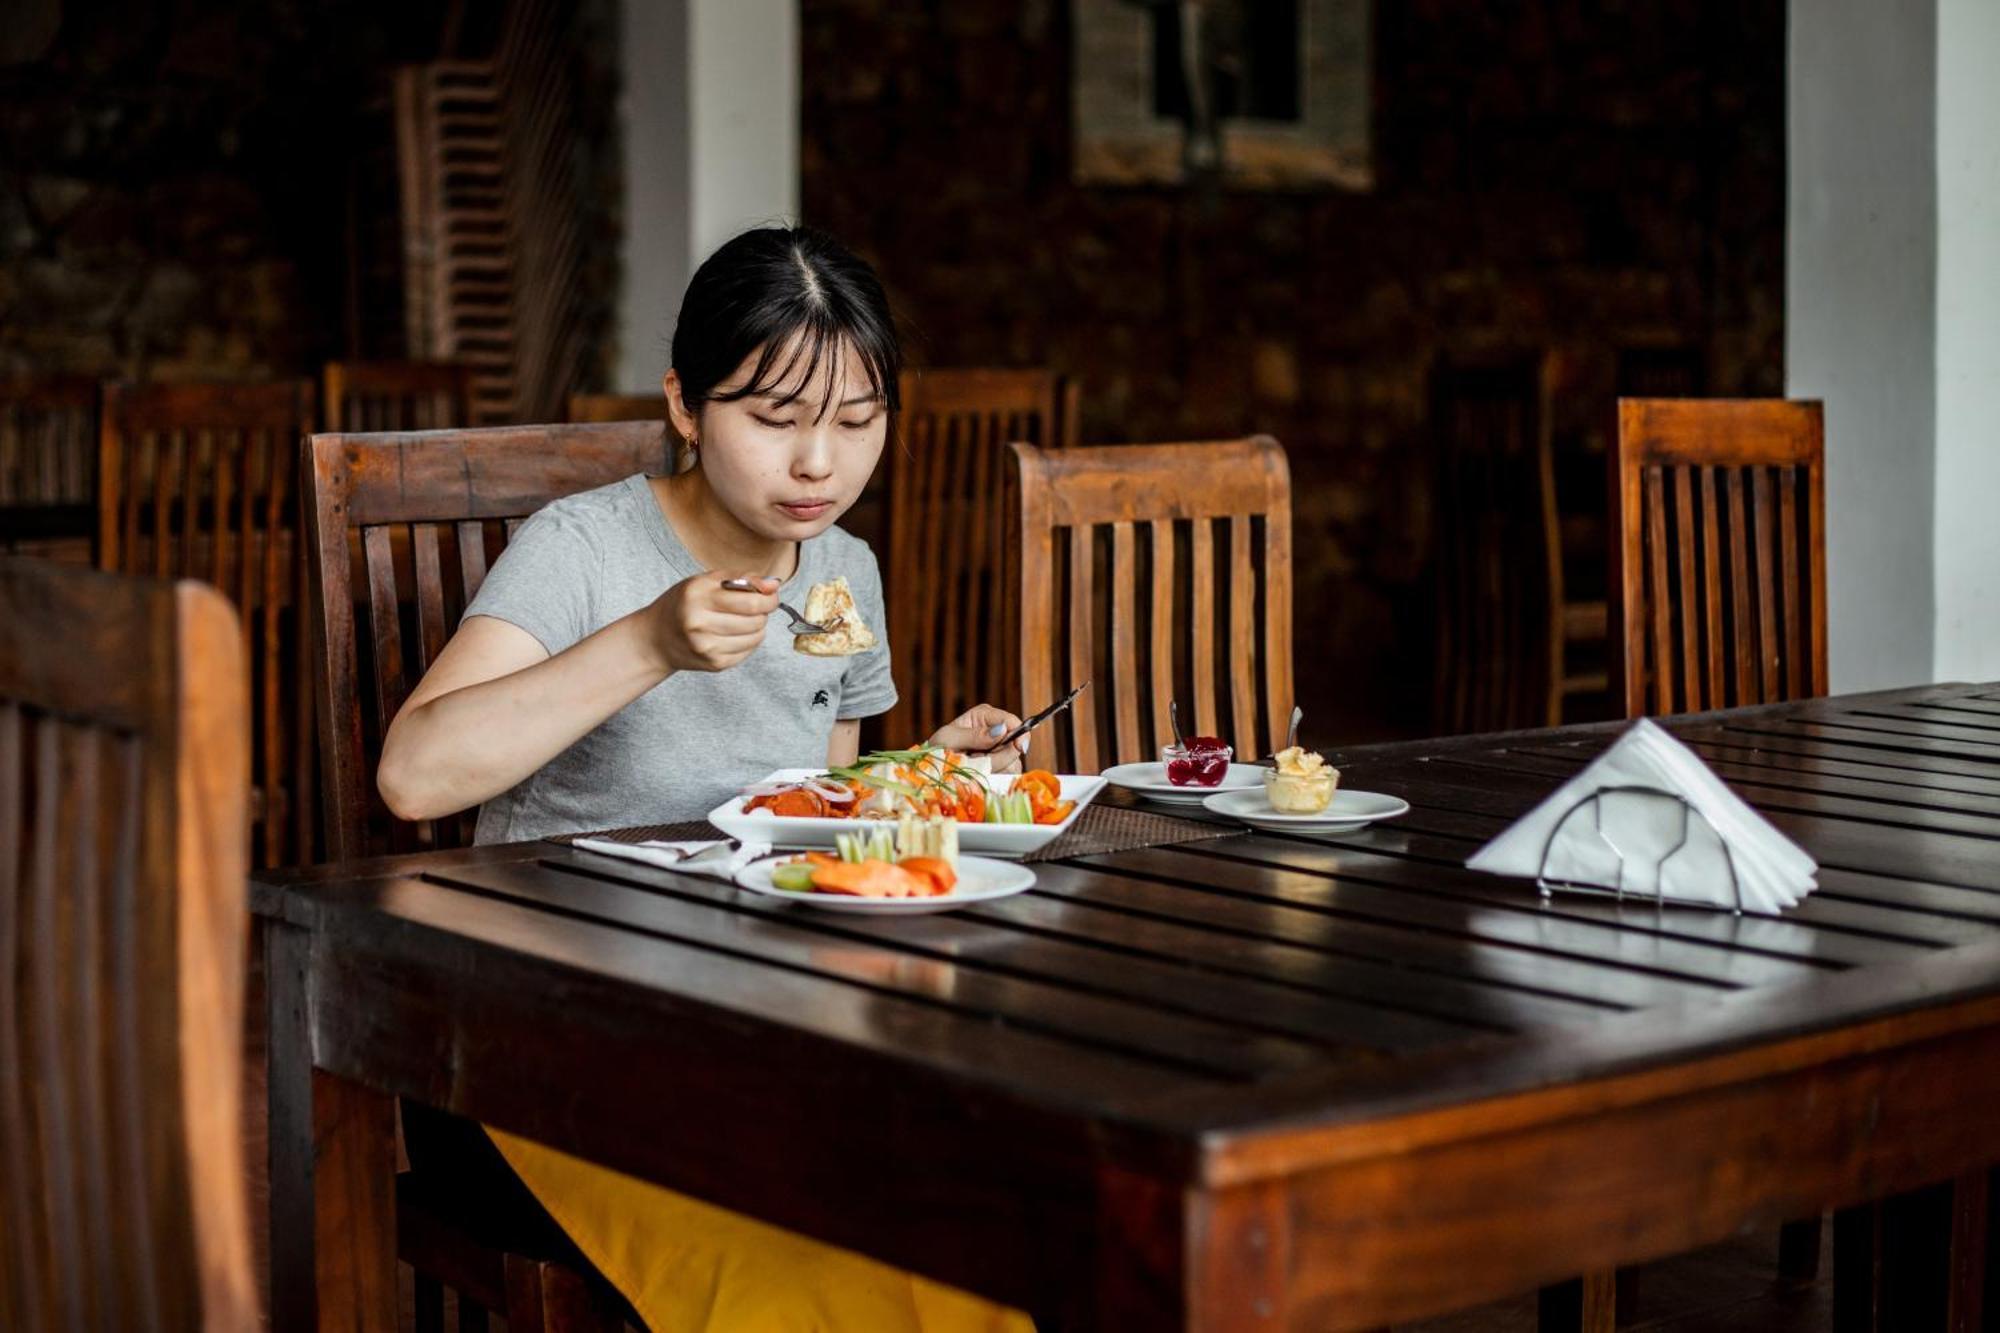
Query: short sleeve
(542, 582)
(868, 687)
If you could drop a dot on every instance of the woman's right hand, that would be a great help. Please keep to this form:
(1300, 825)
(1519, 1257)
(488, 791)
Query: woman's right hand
(699, 625)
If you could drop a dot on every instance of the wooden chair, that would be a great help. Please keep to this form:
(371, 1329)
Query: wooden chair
(48, 466)
(1498, 570)
(1157, 572)
(200, 481)
(617, 407)
(943, 527)
(396, 395)
(124, 790)
(401, 529)
(1705, 614)
(1719, 553)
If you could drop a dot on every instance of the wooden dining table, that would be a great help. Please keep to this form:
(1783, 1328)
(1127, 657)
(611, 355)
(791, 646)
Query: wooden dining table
(1251, 1082)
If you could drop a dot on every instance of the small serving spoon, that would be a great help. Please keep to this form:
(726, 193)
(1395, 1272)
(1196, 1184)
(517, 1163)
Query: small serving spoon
(799, 625)
(1292, 732)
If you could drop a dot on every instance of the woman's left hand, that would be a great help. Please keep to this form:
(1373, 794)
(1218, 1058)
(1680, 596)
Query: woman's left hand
(975, 731)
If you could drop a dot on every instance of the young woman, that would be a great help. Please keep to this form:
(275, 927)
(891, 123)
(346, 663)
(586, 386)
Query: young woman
(604, 676)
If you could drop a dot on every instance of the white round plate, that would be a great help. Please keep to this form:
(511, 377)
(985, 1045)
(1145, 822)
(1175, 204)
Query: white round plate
(1150, 781)
(980, 879)
(1347, 810)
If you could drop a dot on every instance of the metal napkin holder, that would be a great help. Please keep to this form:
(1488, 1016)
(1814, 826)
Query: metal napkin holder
(1595, 800)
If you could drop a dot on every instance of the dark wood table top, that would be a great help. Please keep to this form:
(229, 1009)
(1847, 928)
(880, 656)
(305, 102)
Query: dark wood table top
(1151, 1043)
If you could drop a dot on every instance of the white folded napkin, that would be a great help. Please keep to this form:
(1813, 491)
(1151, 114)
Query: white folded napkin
(1731, 854)
(719, 858)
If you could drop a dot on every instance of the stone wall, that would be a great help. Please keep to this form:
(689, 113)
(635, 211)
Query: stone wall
(195, 189)
(1565, 175)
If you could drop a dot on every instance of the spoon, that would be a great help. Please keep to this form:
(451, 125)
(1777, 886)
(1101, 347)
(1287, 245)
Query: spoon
(1174, 721)
(1292, 732)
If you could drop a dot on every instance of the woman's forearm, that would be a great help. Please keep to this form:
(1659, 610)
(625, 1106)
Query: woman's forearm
(470, 744)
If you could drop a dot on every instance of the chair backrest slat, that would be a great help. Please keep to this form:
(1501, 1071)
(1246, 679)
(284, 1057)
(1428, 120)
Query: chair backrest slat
(1164, 616)
(1719, 563)
(124, 796)
(1788, 572)
(429, 503)
(1498, 558)
(199, 481)
(945, 523)
(1083, 638)
(1243, 680)
(1218, 635)
(1124, 573)
(396, 395)
(48, 465)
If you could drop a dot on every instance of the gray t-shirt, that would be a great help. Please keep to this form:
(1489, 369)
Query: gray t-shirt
(681, 748)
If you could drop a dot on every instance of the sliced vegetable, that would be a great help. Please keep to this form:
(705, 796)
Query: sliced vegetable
(875, 843)
(940, 874)
(870, 879)
(794, 877)
(1056, 813)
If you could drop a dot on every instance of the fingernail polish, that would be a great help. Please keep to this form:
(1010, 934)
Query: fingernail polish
(996, 729)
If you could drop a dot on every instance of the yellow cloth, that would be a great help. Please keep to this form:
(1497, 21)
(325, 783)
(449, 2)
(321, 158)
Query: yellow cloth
(691, 1267)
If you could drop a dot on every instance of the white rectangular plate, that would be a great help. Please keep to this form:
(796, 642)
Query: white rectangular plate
(1001, 840)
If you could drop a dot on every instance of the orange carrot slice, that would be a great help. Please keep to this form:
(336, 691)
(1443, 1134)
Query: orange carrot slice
(935, 869)
(869, 879)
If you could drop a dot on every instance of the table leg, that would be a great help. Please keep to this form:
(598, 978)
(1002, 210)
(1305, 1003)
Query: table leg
(1914, 1261)
(1971, 1252)
(333, 1163)
(1588, 1304)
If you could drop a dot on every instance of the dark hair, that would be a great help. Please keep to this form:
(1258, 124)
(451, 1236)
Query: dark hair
(768, 287)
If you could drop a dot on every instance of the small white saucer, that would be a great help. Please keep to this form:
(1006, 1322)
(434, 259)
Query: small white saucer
(1150, 781)
(1347, 810)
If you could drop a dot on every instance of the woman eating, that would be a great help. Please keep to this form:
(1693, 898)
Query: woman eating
(607, 674)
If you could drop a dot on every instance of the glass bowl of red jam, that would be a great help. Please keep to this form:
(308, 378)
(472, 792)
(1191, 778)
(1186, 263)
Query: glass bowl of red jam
(1203, 761)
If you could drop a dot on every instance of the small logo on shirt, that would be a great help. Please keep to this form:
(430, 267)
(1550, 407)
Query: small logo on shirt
(821, 699)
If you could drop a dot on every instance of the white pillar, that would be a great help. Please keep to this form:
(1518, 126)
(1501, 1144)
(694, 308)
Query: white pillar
(1967, 552)
(745, 90)
(711, 115)
(1860, 315)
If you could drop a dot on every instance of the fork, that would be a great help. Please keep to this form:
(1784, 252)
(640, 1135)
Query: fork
(799, 625)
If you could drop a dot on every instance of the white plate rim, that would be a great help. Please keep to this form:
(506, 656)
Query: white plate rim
(789, 832)
(1251, 779)
(1218, 804)
(1016, 878)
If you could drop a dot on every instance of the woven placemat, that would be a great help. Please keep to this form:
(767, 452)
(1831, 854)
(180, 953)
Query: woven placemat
(1099, 829)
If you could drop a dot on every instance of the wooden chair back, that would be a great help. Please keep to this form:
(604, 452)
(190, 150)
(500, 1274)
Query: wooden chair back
(48, 465)
(201, 481)
(1157, 572)
(617, 407)
(1498, 554)
(124, 776)
(944, 525)
(401, 528)
(1718, 553)
(396, 395)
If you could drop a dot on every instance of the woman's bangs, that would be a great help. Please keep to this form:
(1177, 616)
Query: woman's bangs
(813, 351)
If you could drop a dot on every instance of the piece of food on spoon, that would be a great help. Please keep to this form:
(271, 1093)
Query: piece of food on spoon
(831, 604)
